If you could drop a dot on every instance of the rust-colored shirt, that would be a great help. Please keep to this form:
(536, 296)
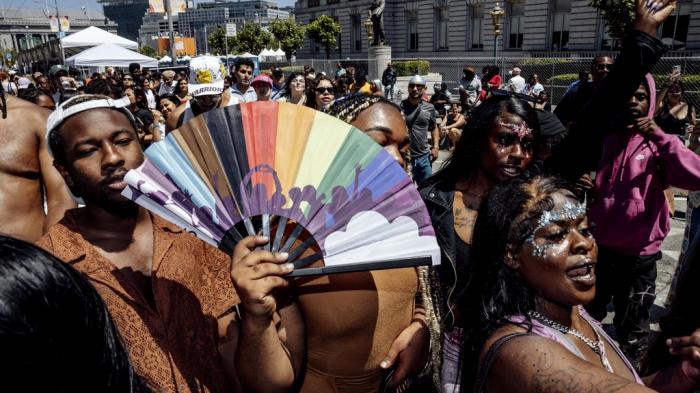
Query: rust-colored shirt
(174, 346)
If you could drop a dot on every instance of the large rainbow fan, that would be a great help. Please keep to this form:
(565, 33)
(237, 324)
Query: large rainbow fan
(321, 190)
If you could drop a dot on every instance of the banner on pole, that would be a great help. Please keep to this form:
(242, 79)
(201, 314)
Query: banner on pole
(53, 24)
(230, 30)
(65, 23)
(159, 6)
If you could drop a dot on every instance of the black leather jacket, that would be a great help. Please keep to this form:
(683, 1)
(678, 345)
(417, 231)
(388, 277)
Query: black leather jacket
(449, 275)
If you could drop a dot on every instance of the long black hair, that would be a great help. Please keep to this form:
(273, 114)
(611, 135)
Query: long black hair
(494, 292)
(55, 331)
(466, 158)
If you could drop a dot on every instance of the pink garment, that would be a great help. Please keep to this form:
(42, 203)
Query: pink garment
(547, 332)
(630, 211)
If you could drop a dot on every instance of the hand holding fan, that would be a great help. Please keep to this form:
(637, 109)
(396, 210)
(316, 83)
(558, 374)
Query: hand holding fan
(317, 187)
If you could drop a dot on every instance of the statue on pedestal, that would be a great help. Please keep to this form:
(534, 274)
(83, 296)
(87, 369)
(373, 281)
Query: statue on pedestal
(376, 12)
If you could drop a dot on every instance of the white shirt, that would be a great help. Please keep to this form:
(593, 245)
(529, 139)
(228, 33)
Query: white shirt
(151, 98)
(533, 90)
(165, 89)
(473, 89)
(248, 96)
(516, 84)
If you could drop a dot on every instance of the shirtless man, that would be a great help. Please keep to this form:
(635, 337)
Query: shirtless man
(25, 167)
(206, 86)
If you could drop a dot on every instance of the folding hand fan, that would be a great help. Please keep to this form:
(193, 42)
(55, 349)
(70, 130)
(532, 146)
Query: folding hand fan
(320, 189)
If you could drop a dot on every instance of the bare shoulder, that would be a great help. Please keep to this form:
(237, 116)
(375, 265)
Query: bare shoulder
(24, 116)
(531, 363)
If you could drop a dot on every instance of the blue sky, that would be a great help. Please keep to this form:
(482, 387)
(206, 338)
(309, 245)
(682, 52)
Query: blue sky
(76, 4)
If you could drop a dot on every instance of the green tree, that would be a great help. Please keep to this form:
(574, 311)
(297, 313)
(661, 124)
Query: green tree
(217, 45)
(148, 51)
(324, 31)
(253, 38)
(290, 35)
(618, 15)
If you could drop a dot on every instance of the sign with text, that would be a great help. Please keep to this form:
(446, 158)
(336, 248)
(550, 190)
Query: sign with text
(65, 23)
(53, 23)
(230, 30)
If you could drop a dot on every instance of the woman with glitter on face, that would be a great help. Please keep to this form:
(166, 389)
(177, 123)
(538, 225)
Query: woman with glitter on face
(496, 145)
(525, 326)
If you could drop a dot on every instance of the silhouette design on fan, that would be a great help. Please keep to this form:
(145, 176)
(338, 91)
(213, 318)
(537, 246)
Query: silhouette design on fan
(307, 171)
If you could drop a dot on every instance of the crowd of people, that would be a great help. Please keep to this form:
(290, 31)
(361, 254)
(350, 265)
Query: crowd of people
(545, 220)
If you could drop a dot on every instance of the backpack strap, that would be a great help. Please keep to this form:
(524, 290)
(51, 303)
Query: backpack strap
(483, 374)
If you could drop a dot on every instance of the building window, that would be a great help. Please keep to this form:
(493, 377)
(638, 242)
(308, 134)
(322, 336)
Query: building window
(515, 13)
(477, 17)
(412, 19)
(314, 3)
(674, 31)
(560, 24)
(441, 28)
(332, 1)
(356, 24)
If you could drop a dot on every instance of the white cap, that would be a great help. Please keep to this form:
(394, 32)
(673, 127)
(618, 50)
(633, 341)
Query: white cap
(206, 76)
(417, 80)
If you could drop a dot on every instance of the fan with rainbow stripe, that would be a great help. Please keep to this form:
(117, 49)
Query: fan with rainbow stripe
(320, 189)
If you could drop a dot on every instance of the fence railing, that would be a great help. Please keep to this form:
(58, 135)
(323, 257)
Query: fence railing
(556, 73)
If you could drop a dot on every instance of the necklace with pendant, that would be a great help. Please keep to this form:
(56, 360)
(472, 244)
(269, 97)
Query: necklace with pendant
(597, 346)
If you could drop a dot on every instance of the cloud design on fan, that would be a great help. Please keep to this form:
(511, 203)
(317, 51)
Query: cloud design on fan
(370, 237)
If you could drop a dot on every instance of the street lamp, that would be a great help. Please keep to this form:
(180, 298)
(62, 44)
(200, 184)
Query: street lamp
(496, 15)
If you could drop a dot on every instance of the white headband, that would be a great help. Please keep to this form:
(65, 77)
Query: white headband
(60, 114)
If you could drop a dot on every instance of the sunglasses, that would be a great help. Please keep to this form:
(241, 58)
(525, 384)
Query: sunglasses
(412, 86)
(324, 90)
(601, 67)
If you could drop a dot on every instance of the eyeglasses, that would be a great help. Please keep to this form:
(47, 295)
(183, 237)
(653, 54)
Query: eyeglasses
(324, 90)
(601, 67)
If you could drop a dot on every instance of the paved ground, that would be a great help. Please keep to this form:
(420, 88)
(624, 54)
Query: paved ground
(670, 249)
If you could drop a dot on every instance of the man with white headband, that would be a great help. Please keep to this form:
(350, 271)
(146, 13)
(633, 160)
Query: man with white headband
(173, 298)
(26, 173)
(206, 85)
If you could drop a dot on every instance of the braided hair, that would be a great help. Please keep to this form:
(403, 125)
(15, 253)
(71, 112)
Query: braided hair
(349, 107)
(4, 102)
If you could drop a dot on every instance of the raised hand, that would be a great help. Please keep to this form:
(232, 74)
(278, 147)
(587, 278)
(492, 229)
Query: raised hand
(650, 14)
(256, 274)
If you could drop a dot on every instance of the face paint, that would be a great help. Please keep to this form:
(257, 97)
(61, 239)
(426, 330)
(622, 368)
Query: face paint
(569, 211)
(520, 130)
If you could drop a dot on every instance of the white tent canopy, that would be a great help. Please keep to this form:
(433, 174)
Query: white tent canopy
(109, 55)
(93, 36)
(165, 59)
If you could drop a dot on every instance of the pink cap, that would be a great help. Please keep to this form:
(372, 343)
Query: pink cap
(262, 78)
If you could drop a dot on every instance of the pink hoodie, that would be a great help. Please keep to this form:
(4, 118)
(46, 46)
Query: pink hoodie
(630, 210)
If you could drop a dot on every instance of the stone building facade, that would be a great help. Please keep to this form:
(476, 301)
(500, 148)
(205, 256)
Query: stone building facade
(464, 28)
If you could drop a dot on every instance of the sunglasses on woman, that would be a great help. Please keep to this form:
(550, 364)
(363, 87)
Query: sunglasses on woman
(324, 90)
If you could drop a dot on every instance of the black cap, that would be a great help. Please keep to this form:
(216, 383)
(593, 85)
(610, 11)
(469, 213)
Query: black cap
(549, 124)
(276, 73)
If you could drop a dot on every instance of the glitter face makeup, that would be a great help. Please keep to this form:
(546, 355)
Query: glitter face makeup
(521, 130)
(569, 211)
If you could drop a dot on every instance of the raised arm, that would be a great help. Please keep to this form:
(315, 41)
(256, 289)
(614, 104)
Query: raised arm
(264, 349)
